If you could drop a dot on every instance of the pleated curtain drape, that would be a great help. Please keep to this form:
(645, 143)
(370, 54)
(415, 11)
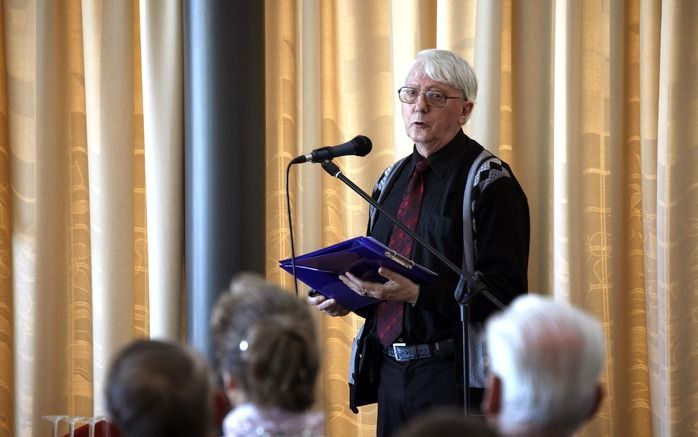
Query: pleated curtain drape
(91, 252)
(593, 103)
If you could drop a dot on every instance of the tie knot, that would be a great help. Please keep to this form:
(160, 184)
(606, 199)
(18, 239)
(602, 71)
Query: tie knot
(421, 165)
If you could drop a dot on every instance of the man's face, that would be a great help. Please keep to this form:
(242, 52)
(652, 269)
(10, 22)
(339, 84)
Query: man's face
(431, 127)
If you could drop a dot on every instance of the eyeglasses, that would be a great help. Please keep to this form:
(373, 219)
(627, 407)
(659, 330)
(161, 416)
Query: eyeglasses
(433, 97)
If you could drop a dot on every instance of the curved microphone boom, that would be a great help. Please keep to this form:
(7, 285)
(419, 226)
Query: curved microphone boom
(359, 146)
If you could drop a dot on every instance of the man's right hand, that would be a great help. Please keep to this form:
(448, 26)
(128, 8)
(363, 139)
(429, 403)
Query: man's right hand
(329, 306)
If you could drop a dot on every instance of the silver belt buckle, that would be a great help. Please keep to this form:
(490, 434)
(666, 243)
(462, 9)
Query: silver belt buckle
(401, 353)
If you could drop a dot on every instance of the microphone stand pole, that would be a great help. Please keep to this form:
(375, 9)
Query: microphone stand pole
(469, 285)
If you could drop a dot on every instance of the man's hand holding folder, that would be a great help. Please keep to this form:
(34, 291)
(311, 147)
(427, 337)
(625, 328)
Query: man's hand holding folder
(357, 272)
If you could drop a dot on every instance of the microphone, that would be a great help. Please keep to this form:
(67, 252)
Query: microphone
(359, 146)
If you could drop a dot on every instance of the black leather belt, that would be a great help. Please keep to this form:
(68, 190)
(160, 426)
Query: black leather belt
(402, 352)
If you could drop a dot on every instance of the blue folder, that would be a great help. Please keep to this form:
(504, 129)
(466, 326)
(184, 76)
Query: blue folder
(362, 256)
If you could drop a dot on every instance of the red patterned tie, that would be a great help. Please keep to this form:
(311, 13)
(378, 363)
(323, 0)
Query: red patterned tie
(390, 313)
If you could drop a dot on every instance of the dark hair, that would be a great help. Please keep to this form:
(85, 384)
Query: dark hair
(446, 422)
(157, 388)
(266, 340)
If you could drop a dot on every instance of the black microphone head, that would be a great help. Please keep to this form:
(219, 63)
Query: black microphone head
(363, 145)
(359, 145)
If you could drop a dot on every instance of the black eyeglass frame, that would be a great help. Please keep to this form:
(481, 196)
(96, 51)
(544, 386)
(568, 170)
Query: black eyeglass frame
(427, 98)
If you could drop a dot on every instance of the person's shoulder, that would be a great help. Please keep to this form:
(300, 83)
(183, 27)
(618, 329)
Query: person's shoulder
(489, 171)
(241, 421)
(467, 151)
(385, 176)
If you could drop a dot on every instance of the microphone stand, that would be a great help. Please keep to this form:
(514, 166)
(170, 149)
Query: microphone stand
(468, 287)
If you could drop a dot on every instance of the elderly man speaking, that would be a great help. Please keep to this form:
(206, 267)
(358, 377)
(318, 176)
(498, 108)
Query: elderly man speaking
(415, 327)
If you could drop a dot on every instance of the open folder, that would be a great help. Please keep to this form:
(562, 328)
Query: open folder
(362, 256)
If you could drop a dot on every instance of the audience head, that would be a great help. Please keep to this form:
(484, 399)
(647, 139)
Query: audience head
(446, 422)
(266, 345)
(545, 359)
(157, 388)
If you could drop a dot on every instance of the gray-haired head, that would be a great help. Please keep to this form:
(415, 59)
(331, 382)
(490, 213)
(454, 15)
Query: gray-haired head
(449, 68)
(266, 340)
(548, 357)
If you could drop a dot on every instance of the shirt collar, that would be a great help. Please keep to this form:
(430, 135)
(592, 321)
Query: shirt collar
(441, 160)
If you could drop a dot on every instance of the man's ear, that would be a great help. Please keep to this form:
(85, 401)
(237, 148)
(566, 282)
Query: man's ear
(466, 110)
(492, 399)
(597, 401)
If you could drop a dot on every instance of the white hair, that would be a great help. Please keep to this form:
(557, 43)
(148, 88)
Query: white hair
(449, 68)
(548, 356)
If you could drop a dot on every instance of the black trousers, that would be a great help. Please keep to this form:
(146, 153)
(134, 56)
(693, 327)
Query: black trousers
(411, 388)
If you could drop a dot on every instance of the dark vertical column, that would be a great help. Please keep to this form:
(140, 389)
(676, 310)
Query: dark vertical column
(224, 151)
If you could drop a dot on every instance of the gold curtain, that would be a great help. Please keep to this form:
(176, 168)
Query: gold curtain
(80, 261)
(593, 103)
